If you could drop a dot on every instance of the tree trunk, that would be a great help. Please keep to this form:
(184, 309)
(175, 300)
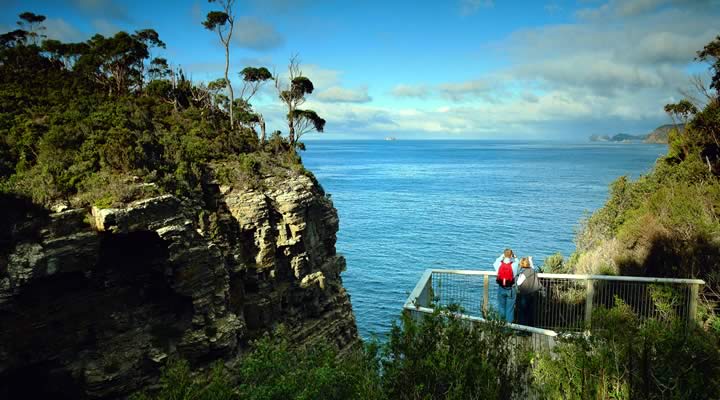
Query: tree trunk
(262, 130)
(227, 81)
(291, 135)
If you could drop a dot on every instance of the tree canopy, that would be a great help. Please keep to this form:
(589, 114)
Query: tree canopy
(711, 54)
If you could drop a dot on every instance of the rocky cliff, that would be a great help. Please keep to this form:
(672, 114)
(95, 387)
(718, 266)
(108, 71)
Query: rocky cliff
(661, 134)
(93, 302)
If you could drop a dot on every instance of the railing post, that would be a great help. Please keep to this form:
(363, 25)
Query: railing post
(486, 295)
(590, 294)
(692, 306)
(425, 296)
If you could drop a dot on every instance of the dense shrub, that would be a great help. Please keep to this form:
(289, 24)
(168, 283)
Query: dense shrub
(277, 370)
(666, 223)
(554, 264)
(440, 357)
(624, 359)
(71, 123)
(444, 357)
(178, 382)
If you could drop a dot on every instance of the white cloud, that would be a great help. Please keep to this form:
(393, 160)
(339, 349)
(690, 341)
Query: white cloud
(487, 88)
(469, 7)
(107, 9)
(616, 71)
(552, 8)
(340, 94)
(279, 6)
(252, 33)
(458, 91)
(635, 8)
(419, 91)
(105, 27)
(322, 78)
(608, 74)
(59, 29)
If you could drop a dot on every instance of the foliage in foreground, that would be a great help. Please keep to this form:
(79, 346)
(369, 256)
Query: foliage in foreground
(626, 359)
(442, 357)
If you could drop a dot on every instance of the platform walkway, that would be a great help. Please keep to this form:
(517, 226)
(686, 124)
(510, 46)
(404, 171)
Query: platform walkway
(568, 301)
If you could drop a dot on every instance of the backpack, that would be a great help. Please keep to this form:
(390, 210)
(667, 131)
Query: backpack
(505, 276)
(528, 282)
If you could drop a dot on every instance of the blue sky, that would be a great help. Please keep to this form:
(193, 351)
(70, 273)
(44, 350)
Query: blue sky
(435, 69)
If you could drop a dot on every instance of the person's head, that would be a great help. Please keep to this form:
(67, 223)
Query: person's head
(525, 262)
(508, 253)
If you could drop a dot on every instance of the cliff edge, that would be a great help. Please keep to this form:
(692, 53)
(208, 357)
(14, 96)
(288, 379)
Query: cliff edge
(93, 303)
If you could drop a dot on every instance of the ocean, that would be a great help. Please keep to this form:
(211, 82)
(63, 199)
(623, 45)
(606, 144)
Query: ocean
(405, 206)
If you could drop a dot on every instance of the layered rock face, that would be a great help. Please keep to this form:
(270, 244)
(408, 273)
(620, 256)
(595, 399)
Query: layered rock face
(92, 304)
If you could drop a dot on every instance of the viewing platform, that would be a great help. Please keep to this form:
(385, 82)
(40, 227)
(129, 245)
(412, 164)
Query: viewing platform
(568, 301)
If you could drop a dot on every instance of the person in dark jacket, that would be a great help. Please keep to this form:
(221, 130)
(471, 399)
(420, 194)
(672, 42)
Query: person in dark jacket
(528, 288)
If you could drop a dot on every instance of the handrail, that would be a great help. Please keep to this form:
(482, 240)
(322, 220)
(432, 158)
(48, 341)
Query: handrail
(622, 278)
(421, 296)
(416, 293)
(530, 329)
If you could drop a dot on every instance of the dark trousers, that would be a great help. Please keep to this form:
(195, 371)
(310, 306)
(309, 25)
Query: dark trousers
(526, 308)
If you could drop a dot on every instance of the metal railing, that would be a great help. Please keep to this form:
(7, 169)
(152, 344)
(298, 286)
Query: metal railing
(566, 302)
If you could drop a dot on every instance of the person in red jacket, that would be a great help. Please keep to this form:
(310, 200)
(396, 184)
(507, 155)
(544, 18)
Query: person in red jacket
(506, 267)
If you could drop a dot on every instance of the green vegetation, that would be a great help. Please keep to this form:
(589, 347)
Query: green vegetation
(293, 96)
(440, 357)
(443, 357)
(666, 223)
(627, 359)
(100, 122)
(223, 23)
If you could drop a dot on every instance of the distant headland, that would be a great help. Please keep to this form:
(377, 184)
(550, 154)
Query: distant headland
(657, 136)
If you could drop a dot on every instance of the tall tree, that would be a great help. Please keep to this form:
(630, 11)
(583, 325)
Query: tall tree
(32, 24)
(222, 22)
(711, 54)
(307, 121)
(66, 53)
(253, 79)
(683, 111)
(117, 62)
(293, 95)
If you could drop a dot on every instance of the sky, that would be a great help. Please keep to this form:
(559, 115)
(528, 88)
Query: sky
(451, 69)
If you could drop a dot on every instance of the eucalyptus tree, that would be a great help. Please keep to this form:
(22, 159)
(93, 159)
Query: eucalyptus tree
(307, 121)
(65, 53)
(117, 62)
(711, 54)
(682, 110)
(223, 22)
(253, 79)
(32, 24)
(293, 96)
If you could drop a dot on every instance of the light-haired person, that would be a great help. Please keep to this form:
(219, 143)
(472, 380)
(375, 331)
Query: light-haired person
(528, 288)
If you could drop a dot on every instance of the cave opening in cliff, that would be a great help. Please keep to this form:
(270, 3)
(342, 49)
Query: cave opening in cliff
(82, 314)
(45, 380)
(134, 267)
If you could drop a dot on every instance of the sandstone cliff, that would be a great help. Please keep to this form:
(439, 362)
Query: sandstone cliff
(93, 303)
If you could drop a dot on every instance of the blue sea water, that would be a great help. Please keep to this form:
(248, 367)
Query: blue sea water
(405, 206)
